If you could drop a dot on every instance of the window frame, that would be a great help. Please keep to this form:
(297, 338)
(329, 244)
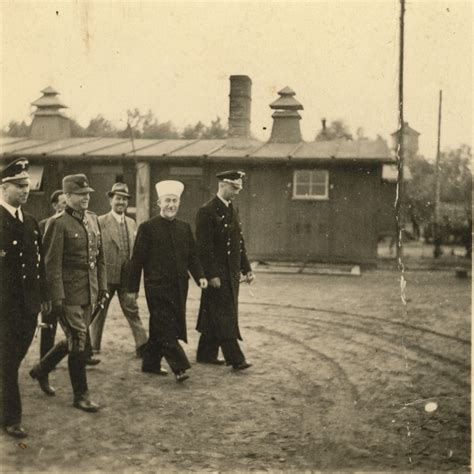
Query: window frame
(311, 197)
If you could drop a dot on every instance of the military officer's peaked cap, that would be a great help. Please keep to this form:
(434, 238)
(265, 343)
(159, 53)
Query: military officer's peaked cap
(233, 177)
(119, 188)
(76, 184)
(15, 171)
(163, 188)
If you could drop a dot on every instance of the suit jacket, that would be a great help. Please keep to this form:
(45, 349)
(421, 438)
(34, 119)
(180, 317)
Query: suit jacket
(75, 264)
(165, 251)
(116, 273)
(22, 271)
(221, 250)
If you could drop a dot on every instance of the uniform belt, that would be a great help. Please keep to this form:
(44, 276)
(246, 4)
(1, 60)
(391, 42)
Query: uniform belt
(79, 265)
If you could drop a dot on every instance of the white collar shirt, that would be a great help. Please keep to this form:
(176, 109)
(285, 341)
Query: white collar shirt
(226, 203)
(12, 209)
(120, 218)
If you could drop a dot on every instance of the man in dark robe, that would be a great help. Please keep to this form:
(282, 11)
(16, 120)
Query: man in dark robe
(221, 250)
(165, 251)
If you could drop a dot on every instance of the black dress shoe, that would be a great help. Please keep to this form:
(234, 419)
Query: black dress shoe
(83, 403)
(241, 366)
(16, 430)
(92, 361)
(181, 376)
(154, 370)
(43, 382)
(211, 361)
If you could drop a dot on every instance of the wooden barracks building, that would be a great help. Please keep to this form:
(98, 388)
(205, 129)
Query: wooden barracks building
(302, 201)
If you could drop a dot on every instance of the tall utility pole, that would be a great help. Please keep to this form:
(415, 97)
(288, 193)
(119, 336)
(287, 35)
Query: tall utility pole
(400, 147)
(437, 230)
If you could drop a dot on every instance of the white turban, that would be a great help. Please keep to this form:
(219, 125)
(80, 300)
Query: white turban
(169, 187)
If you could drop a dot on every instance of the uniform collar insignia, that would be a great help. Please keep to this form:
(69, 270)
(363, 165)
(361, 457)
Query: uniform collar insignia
(77, 214)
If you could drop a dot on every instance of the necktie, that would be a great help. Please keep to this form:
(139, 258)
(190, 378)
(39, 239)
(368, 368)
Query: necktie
(17, 215)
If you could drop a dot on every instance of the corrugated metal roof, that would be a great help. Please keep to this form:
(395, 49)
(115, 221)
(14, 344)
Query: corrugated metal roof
(49, 148)
(376, 150)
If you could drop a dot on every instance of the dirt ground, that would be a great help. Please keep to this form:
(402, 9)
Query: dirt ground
(342, 379)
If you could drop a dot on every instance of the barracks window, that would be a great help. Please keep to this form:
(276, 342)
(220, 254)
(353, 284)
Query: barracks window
(311, 184)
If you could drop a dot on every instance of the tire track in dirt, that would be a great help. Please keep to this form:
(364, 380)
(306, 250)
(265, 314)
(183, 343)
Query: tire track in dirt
(360, 316)
(304, 324)
(384, 335)
(327, 408)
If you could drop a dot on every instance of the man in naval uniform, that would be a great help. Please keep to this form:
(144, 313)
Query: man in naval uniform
(221, 250)
(76, 274)
(23, 288)
(165, 251)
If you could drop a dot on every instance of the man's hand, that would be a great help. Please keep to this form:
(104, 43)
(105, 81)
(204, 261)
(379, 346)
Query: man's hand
(215, 282)
(249, 278)
(202, 283)
(46, 307)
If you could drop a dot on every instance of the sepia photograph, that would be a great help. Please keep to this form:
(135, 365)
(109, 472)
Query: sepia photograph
(236, 236)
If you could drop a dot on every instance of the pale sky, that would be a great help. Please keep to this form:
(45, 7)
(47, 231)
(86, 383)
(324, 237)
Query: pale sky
(175, 58)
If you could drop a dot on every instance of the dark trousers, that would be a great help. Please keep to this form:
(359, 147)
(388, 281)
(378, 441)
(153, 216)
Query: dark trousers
(77, 347)
(163, 340)
(48, 333)
(16, 333)
(208, 349)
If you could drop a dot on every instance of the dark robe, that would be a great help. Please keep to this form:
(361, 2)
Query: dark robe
(221, 250)
(165, 251)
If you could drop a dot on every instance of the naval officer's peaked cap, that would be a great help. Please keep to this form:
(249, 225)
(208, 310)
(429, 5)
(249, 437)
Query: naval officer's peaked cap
(76, 184)
(15, 171)
(233, 177)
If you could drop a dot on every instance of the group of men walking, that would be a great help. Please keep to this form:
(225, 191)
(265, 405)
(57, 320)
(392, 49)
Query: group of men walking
(70, 266)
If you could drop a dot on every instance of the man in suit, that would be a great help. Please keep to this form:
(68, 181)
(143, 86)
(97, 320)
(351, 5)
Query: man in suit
(118, 237)
(221, 250)
(165, 251)
(50, 322)
(23, 290)
(76, 274)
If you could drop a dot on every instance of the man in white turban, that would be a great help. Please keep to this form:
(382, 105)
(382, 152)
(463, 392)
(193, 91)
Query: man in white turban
(165, 251)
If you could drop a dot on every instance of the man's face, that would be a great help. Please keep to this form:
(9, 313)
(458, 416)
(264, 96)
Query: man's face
(118, 203)
(79, 202)
(60, 204)
(230, 191)
(16, 193)
(169, 205)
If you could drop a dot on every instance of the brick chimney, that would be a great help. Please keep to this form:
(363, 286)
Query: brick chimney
(286, 119)
(240, 99)
(49, 122)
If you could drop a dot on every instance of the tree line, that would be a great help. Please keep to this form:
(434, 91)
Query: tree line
(141, 125)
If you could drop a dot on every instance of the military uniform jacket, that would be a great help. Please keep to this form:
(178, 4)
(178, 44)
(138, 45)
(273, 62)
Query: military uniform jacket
(221, 250)
(111, 244)
(21, 264)
(75, 264)
(165, 251)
